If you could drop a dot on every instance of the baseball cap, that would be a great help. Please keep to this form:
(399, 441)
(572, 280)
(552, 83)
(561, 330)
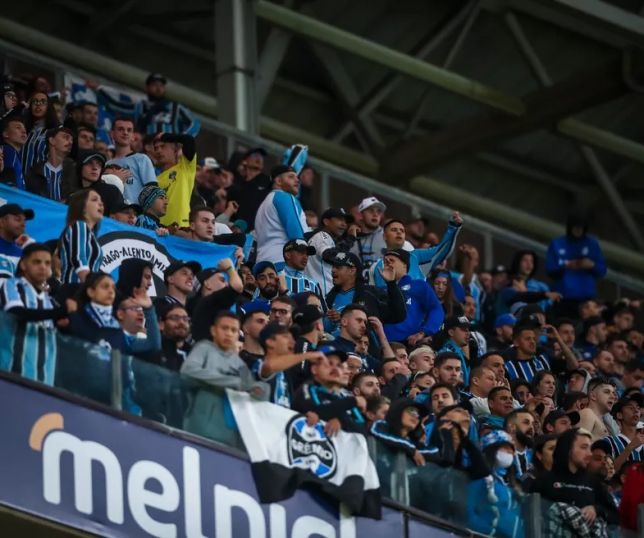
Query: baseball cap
(457, 321)
(280, 169)
(371, 201)
(15, 209)
(155, 77)
(307, 314)
(210, 163)
(622, 402)
(126, 207)
(345, 259)
(180, 264)
(260, 266)
(332, 350)
(505, 319)
(496, 437)
(498, 269)
(88, 156)
(60, 129)
(298, 244)
(242, 225)
(271, 329)
(399, 253)
(254, 306)
(555, 415)
(336, 212)
(531, 309)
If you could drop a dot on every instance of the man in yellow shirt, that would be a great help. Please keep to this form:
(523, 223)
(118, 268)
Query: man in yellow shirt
(176, 155)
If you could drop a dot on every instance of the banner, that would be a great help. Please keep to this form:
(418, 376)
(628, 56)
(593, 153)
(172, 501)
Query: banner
(119, 241)
(111, 477)
(285, 453)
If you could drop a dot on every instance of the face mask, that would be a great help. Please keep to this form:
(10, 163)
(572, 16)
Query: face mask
(504, 459)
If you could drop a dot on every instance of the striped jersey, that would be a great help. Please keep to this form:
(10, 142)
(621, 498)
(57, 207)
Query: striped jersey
(34, 150)
(148, 222)
(518, 369)
(29, 347)
(79, 251)
(296, 282)
(53, 176)
(618, 444)
(165, 117)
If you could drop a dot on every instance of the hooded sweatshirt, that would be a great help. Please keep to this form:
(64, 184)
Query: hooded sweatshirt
(580, 488)
(575, 284)
(424, 311)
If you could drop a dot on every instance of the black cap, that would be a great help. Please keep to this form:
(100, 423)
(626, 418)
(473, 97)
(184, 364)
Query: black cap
(261, 266)
(330, 349)
(555, 415)
(271, 329)
(281, 169)
(336, 212)
(88, 156)
(155, 77)
(345, 259)
(591, 322)
(15, 209)
(457, 321)
(7, 86)
(179, 264)
(126, 207)
(307, 314)
(60, 129)
(298, 244)
(633, 397)
(253, 151)
(205, 274)
(530, 309)
(498, 269)
(399, 253)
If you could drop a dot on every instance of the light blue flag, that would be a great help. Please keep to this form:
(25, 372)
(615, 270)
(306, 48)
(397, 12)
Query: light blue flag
(119, 241)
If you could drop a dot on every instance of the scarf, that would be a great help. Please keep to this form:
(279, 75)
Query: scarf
(102, 316)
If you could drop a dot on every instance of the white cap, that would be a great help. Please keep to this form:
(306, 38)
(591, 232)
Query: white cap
(112, 179)
(370, 202)
(211, 163)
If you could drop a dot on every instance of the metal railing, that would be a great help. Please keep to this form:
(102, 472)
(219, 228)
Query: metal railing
(29, 45)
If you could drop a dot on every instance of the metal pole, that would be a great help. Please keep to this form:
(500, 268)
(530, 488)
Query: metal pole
(488, 250)
(117, 380)
(640, 519)
(390, 58)
(532, 516)
(325, 191)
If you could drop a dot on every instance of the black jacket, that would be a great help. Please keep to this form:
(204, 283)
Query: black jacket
(388, 306)
(36, 181)
(579, 489)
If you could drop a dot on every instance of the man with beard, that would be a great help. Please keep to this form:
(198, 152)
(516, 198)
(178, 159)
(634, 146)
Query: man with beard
(268, 283)
(371, 240)
(521, 426)
(254, 317)
(174, 323)
(337, 233)
(156, 114)
(280, 217)
(570, 482)
(521, 360)
(322, 397)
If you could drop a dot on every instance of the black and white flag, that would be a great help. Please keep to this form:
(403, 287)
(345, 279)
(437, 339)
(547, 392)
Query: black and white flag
(285, 452)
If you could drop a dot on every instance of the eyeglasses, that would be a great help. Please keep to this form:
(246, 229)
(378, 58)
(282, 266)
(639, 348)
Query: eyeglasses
(39, 101)
(178, 318)
(135, 308)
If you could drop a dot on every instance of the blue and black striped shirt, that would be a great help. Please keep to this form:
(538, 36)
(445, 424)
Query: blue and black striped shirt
(53, 177)
(34, 150)
(29, 347)
(518, 369)
(79, 251)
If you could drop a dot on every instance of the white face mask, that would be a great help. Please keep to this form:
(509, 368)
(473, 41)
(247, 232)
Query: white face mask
(504, 459)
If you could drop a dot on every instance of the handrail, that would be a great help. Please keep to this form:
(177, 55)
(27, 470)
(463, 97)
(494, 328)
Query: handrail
(51, 51)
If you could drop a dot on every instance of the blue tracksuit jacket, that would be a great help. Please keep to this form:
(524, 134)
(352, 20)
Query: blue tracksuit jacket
(576, 284)
(424, 311)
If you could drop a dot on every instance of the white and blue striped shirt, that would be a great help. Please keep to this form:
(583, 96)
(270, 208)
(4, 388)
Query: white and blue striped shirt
(53, 176)
(518, 369)
(618, 444)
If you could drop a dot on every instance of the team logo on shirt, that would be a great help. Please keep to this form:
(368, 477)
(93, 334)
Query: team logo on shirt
(309, 448)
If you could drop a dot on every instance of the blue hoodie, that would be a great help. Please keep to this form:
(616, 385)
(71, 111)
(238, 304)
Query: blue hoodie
(424, 311)
(576, 284)
(499, 518)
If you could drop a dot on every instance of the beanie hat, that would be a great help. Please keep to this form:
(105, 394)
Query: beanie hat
(149, 194)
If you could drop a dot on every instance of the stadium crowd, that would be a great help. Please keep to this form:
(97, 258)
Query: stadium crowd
(371, 323)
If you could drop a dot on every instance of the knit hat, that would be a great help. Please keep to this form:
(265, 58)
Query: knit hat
(496, 437)
(149, 194)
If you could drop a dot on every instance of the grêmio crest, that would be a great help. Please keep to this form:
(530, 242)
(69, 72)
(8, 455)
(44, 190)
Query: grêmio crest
(309, 448)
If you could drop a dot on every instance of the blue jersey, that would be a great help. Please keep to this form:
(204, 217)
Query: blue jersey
(29, 347)
(34, 150)
(12, 161)
(165, 117)
(142, 171)
(53, 177)
(79, 251)
(148, 222)
(296, 282)
(518, 369)
(618, 444)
